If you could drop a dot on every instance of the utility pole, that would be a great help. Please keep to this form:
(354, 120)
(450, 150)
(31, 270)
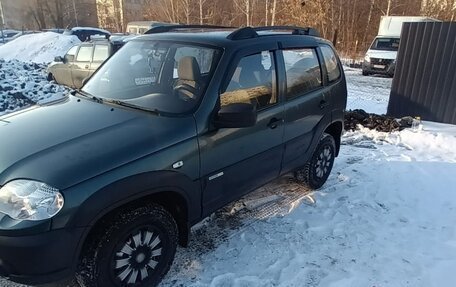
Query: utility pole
(2, 22)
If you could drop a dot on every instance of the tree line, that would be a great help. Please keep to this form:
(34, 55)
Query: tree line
(351, 24)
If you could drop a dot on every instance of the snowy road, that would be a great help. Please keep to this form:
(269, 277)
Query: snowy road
(386, 217)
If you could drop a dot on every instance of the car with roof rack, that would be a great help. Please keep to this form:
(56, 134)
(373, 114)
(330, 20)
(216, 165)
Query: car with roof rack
(105, 185)
(82, 60)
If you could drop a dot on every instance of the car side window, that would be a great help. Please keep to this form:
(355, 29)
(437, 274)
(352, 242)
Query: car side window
(71, 53)
(253, 81)
(100, 53)
(302, 70)
(331, 63)
(84, 54)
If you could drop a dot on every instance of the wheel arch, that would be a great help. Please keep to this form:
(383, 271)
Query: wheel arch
(175, 192)
(335, 130)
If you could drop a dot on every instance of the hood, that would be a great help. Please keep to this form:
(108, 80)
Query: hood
(380, 54)
(68, 143)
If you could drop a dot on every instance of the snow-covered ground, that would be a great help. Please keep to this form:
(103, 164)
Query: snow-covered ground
(386, 216)
(24, 84)
(38, 48)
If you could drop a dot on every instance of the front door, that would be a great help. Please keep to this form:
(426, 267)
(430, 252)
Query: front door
(237, 160)
(81, 68)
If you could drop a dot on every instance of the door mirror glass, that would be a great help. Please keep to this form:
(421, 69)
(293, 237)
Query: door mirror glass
(237, 115)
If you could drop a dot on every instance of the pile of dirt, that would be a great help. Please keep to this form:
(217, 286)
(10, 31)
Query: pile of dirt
(381, 123)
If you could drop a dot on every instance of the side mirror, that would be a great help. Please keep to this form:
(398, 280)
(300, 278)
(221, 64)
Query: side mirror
(238, 115)
(58, 59)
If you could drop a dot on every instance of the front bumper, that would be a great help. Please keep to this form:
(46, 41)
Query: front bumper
(37, 259)
(385, 67)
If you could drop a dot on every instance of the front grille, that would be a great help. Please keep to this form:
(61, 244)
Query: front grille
(377, 61)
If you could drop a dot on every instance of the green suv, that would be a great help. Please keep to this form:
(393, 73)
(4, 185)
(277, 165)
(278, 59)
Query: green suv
(178, 123)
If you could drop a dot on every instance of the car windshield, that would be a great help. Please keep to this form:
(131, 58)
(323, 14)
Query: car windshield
(386, 44)
(160, 76)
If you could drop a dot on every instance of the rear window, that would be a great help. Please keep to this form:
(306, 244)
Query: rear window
(302, 70)
(331, 63)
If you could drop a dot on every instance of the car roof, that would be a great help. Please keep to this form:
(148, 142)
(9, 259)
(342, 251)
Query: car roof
(220, 37)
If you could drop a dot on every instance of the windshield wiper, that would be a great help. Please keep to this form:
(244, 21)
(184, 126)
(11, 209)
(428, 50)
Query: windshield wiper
(87, 95)
(132, 106)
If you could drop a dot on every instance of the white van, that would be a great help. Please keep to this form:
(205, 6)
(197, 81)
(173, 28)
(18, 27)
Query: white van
(140, 27)
(381, 56)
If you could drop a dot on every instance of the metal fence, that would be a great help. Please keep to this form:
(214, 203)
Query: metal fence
(424, 82)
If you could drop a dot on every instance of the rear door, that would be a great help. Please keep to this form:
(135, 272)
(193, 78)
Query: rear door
(81, 68)
(306, 102)
(100, 54)
(237, 160)
(62, 71)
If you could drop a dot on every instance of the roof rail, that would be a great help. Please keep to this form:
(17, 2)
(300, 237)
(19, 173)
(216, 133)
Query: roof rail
(252, 32)
(164, 29)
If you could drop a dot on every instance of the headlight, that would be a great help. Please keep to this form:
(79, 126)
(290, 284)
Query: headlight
(367, 59)
(30, 200)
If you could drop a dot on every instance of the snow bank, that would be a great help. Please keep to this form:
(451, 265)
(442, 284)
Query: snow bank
(38, 48)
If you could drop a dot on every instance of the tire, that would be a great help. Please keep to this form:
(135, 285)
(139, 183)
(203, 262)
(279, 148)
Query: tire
(137, 246)
(50, 77)
(316, 171)
(365, 73)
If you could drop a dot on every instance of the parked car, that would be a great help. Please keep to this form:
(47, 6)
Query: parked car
(141, 27)
(106, 184)
(22, 33)
(81, 61)
(7, 34)
(381, 56)
(85, 33)
(55, 30)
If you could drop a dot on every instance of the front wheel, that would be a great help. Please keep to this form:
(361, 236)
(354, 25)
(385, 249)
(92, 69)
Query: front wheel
(315, 173)
(135, 249)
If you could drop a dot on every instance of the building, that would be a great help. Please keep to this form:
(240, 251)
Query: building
(114, 15)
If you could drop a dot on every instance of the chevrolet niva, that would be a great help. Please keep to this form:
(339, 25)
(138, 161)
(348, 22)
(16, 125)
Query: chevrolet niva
(101, 187)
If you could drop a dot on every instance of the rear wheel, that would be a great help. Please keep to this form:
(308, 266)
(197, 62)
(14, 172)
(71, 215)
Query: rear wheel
(365, 73)
(315, 173)
(136, 249)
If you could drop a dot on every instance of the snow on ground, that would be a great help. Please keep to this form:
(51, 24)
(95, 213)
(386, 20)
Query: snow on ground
(386, 217)
(368, 93)
(24, 84)
(38, 48)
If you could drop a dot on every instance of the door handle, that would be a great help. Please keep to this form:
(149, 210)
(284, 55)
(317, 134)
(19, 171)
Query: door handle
(323, 104)
(274, 122)
(86, 66)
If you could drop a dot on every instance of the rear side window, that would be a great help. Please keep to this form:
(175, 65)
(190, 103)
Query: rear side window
(85, 54)
(302, 70)
(100, 53)
(332, 66)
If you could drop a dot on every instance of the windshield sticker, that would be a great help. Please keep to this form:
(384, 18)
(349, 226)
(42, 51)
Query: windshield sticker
(144, 81)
